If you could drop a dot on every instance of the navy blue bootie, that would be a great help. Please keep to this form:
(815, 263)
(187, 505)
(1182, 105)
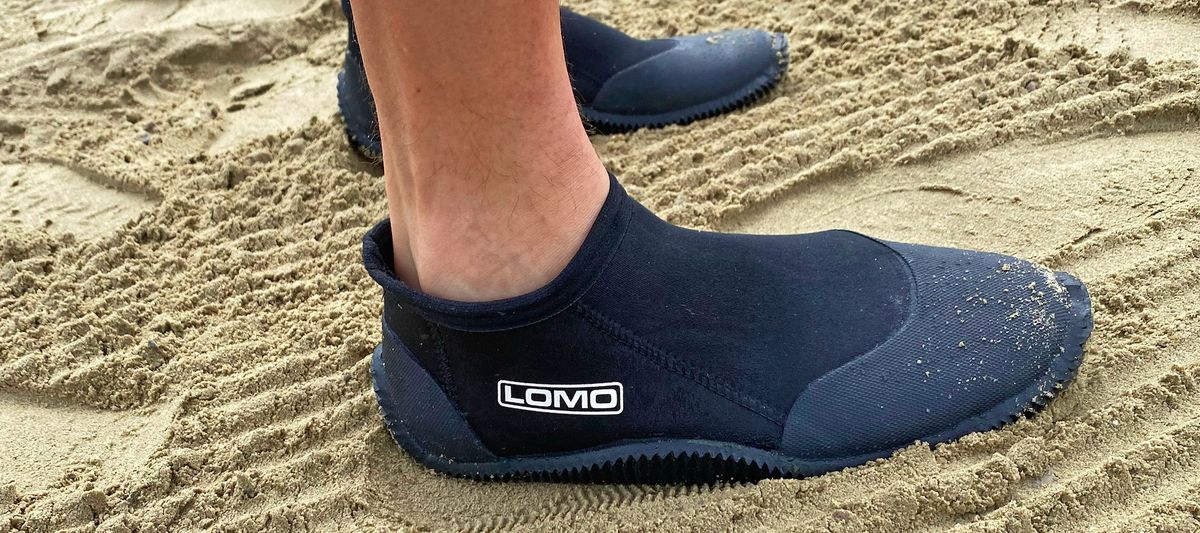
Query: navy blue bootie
(621, 83)
(663, 354)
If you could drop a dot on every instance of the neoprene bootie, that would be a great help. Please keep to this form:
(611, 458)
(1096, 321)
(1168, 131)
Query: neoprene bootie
(621, 83)
(663, 354)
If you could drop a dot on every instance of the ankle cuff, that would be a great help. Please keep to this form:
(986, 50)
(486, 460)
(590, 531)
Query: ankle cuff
(565, 289)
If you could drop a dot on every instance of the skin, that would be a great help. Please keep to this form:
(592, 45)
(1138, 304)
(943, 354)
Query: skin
(492, 183)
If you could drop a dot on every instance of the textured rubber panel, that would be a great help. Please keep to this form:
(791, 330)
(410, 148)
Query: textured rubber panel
(426, 414)
(694, 461)
(602, 122)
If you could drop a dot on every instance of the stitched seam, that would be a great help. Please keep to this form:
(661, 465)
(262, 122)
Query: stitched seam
(914, 291)
(677, 366)
(636, 65)
(909, 319)
(579, 73)
(443, 361)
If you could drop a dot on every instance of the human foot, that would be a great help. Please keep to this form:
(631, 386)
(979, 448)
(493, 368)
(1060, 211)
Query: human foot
(621, 83)
(665, 354)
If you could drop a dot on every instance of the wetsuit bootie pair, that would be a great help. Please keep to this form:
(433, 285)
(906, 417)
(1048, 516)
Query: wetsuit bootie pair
(621, 83)
(666, 354)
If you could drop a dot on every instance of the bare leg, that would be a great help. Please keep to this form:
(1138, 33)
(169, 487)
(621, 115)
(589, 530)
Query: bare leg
(492, 182)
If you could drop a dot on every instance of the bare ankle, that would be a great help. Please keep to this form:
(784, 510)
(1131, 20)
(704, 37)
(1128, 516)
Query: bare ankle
(501, 241)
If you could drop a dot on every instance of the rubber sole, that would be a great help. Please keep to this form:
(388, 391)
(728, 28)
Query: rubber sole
(700, 461)
(601, 123)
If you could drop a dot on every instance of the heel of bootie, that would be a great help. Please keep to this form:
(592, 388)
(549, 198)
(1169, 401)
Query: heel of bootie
(420, 416)
(354, 97)
(358, 112)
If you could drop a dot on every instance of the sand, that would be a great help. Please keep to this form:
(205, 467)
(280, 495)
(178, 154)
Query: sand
(185, 326)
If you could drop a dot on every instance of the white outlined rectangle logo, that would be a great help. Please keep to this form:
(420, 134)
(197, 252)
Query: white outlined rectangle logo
(581, 399)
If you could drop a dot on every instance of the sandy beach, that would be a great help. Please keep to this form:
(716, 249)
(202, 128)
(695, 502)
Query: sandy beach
(186, 326)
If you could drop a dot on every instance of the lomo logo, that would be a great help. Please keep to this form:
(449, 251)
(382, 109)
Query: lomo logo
(584, 399)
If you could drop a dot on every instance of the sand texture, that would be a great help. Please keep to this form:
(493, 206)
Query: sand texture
(185, 324)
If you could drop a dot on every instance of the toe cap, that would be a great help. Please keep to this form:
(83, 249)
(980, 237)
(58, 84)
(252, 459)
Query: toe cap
(698, 70)
(987, 335)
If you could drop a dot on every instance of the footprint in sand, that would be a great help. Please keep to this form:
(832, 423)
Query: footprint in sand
(43, 440)
(274, 97)
(1157, 37)
(64, 200)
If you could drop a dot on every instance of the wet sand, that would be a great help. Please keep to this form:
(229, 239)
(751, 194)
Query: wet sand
(186, 326)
